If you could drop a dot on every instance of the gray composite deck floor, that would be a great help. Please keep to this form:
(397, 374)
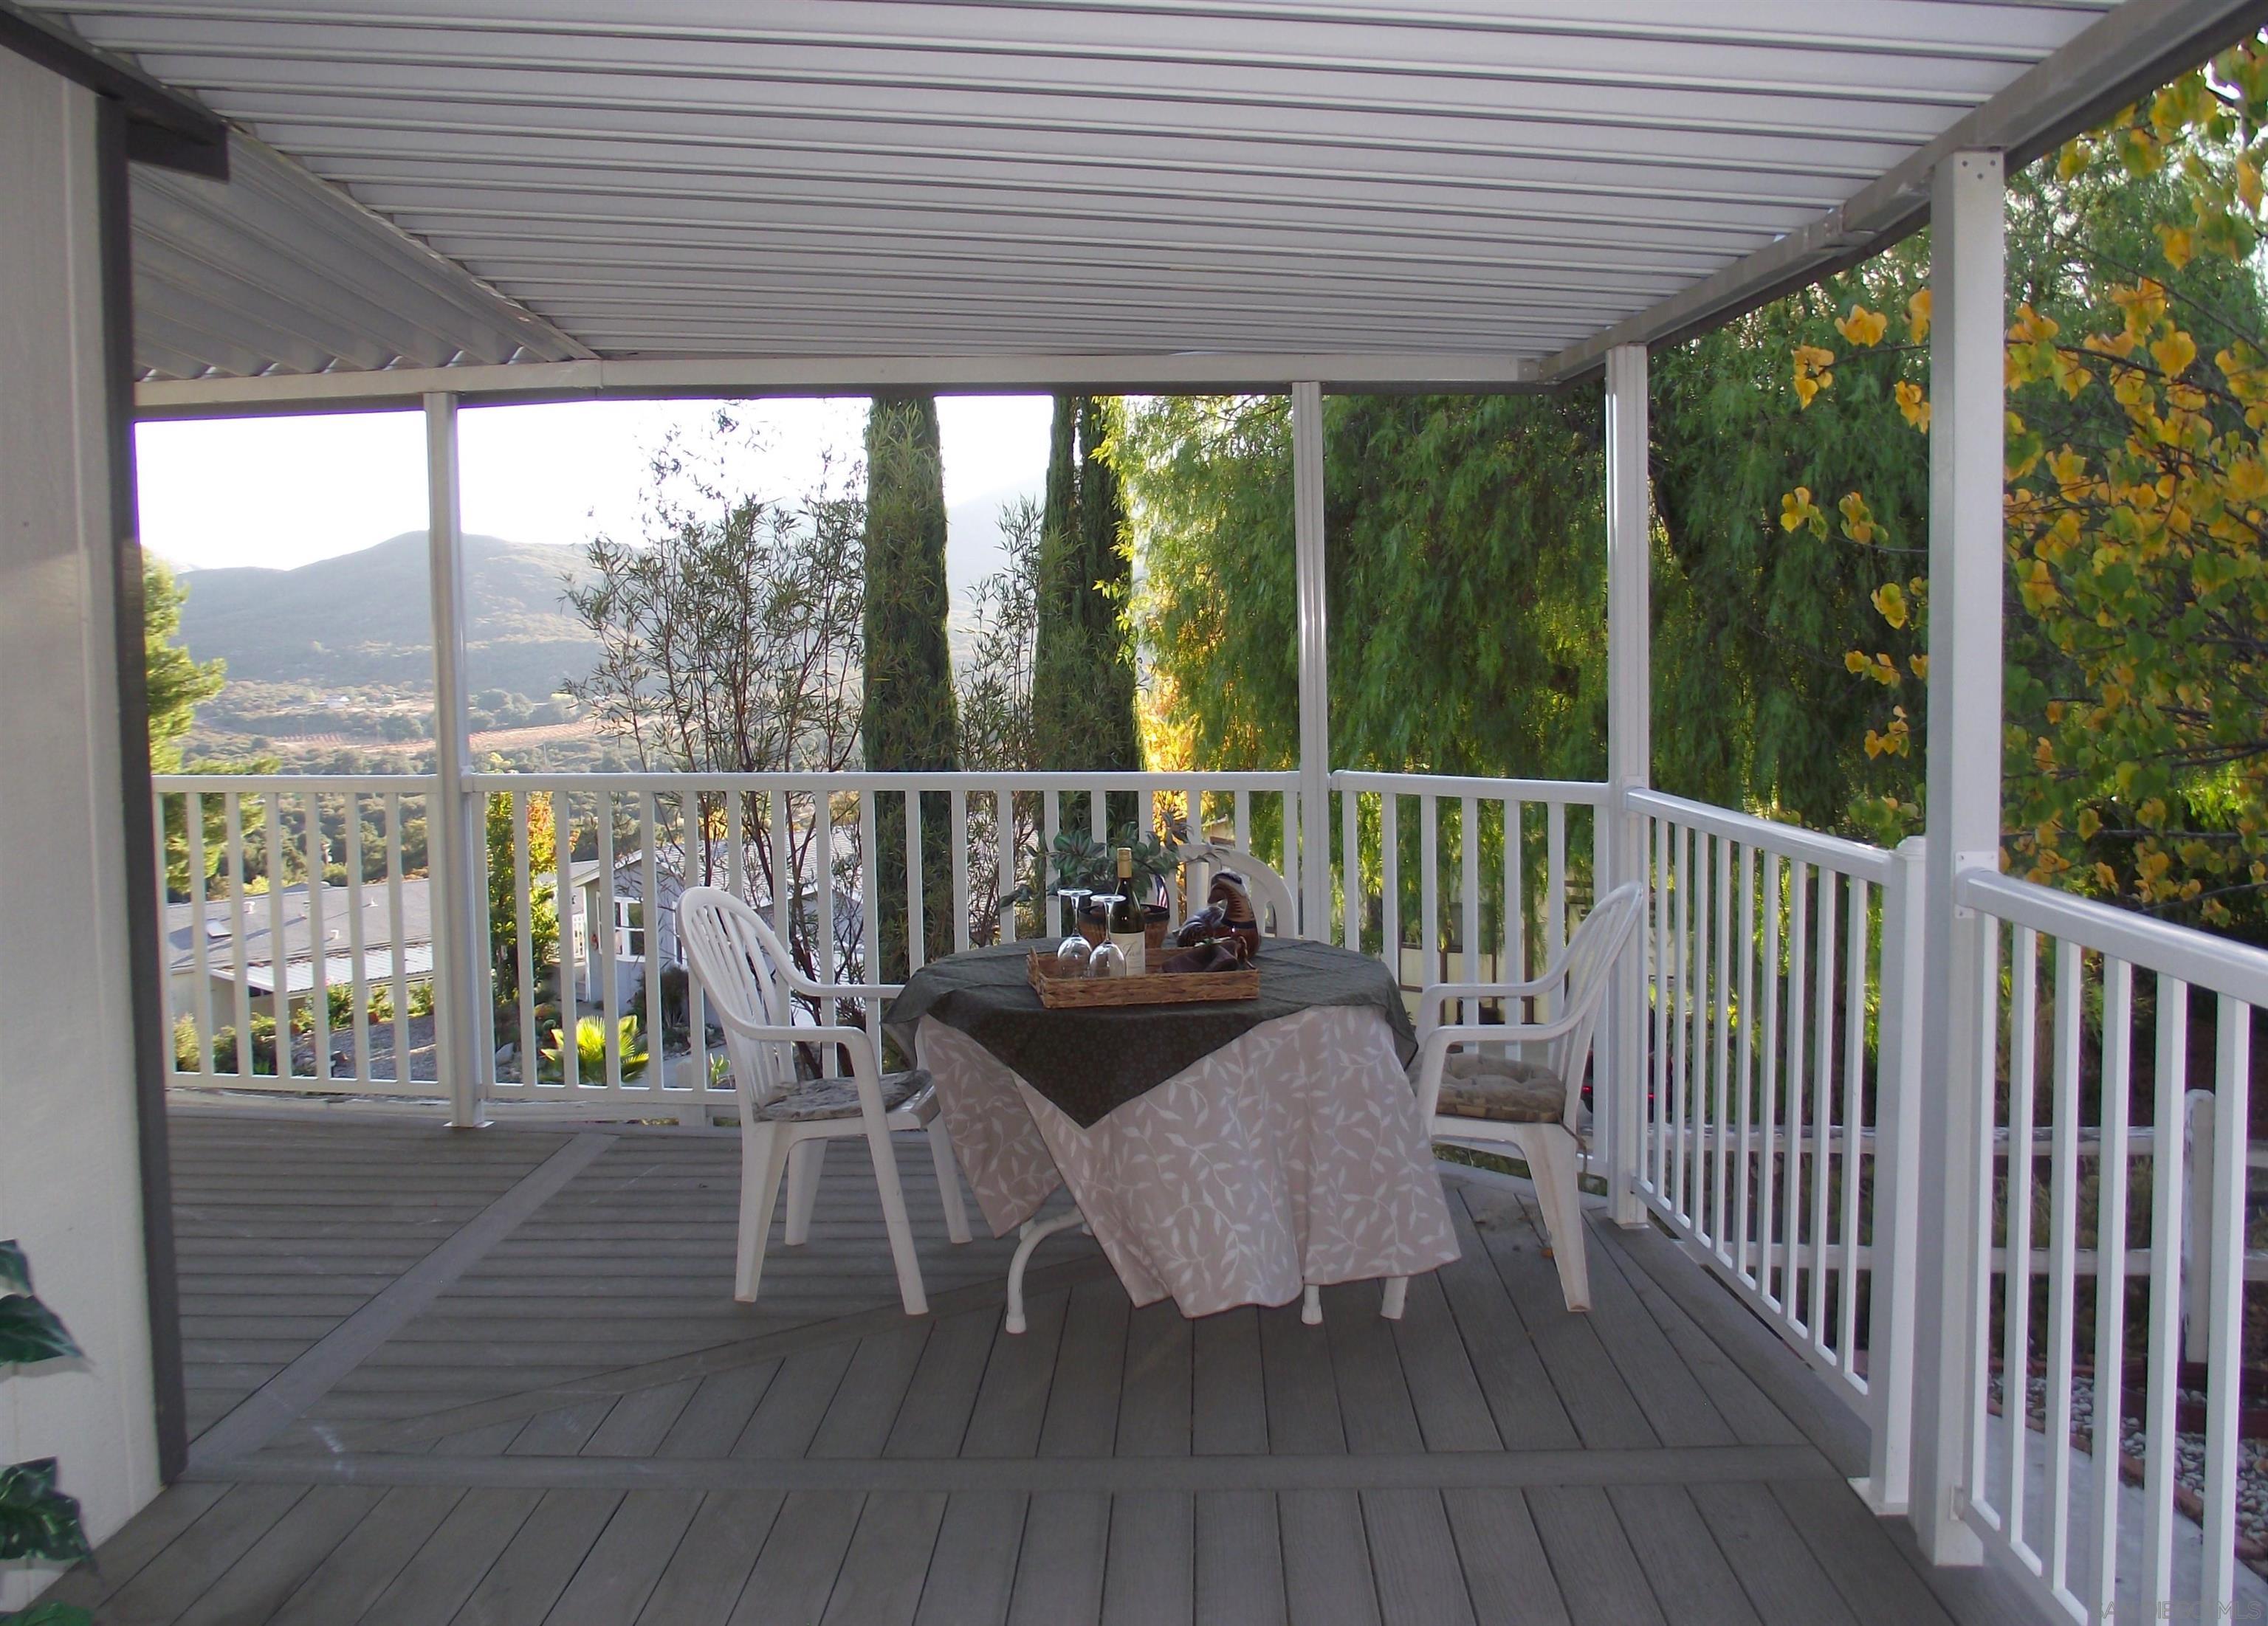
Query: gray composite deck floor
(499, 1377)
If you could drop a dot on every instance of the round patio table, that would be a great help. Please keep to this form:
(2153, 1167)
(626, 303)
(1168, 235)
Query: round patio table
(1223, 1153)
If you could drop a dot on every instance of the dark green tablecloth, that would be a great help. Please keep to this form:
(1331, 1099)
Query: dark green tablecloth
(1089, 1061)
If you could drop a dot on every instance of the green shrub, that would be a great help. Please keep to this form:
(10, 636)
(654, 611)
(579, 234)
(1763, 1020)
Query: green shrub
(591, 1050)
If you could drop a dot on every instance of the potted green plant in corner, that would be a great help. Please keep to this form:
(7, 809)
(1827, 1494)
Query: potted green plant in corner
(37, 1520)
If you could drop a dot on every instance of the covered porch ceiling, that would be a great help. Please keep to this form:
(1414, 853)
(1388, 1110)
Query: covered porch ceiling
(559, 195)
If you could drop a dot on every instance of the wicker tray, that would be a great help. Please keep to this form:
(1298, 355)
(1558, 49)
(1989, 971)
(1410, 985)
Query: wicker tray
(1183, 988)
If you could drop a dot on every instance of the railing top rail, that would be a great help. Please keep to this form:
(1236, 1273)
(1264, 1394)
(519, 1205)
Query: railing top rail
(268, 784)
(860, 780)
(1582, 792)
(1792, 841)
(2198, 958)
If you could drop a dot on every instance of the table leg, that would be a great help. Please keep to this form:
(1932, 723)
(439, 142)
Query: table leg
(1029, 1236)
(1397, 1292)
(1310, 1305)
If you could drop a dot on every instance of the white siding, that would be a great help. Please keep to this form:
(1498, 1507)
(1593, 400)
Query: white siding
(68, 1182)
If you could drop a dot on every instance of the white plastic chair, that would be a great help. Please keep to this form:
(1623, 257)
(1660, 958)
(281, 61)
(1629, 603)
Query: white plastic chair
(786, 1122)
(1271, 898)
(1579, 978)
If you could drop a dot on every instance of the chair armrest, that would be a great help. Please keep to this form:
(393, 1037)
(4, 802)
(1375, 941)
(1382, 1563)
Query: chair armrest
(860, 1041)
(1437, 994)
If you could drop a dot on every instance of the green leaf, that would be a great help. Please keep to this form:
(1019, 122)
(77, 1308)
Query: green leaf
(31, 1333)
(15, 1270)
(36, 1519)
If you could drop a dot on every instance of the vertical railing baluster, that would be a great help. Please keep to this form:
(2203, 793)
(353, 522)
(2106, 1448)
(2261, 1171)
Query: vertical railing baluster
(1469, 900)
(1697, 1204)
(562, 853)
(1744, 1077)
(1351, 870)
(1822, 1103)
(957, 839)
(1429, 884)
(657, 1023)
(1555, 888)
(1855, 982)
(193, 835)
(2098, 1589)
(522, 810)
(358, 945)
(1719, 1128)
(403, 1072)
(2224, 1241)
(279, 961)
(240, 920)
(319, 981)
(870, 928)
(2016, 1292)
(916, 911)
(1658, 1116)
(1983, 1127)
(609, 979)
(1389, 865)
(1771, 1076)
(2063, 1243)
(1005, 877)
(1792, 1238)
(2169, 1200)
(1681, 911)
(1515, 895)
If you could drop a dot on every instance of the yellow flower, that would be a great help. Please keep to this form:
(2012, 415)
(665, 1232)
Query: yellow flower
(1858, 524)
(1918, 311)
(2178, 245)
(1913, 403)
(1797, 510)
(1889, 601)
(1863, 326)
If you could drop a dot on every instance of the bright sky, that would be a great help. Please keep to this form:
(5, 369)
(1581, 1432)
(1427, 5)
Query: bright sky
(282, 491)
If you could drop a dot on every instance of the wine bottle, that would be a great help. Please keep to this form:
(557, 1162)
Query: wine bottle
(1129, 927)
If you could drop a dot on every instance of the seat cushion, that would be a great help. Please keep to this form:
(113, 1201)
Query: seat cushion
(812, 1099)
(1497, 1087)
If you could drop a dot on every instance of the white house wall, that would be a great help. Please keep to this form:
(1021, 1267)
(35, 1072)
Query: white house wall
(69, 1181)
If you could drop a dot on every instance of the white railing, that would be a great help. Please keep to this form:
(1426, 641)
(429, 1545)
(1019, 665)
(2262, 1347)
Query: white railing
(845, 865)
(297, 956)
(2060, 974)
(1435, 874)
(1777, 1139)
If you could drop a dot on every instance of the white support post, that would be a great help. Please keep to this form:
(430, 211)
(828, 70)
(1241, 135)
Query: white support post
(1619, 843)
(1968, 249)
(453, 828)
(1315, 675)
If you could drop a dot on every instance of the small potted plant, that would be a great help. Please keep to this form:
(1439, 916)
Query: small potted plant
(37, 1520)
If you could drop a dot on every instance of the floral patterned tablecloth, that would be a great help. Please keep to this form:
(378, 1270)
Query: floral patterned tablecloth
(1292, 1155)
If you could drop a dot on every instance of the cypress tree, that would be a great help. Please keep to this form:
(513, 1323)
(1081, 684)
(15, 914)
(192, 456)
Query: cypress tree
(1083, 711)
(908, 720)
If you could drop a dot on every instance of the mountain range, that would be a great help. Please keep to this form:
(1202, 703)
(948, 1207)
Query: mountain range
(363, 618)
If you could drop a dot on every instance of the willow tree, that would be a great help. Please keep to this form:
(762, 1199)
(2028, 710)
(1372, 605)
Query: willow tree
(907, 721)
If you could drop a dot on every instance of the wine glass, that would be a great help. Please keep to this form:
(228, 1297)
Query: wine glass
(1077, 896)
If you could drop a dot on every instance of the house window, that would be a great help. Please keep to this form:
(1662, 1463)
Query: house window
(630, 929)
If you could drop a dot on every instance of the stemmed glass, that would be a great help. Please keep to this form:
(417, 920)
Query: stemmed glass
(1077, 896)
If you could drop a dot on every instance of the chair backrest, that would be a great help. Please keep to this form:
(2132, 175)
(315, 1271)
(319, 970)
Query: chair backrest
(739, 963)
(1587, 964)
(1271, 899)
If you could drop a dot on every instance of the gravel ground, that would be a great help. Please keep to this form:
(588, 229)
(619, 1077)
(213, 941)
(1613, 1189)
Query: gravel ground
(2188, 1449)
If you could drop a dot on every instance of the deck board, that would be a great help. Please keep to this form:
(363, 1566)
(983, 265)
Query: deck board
(581, 1427)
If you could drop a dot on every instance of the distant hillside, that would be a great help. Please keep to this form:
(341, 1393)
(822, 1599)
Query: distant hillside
(363, 618)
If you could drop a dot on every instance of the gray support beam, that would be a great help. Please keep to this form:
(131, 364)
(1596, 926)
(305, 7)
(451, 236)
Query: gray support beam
(453, 828)
(1314, 670)
(1621, 843)
(1968, 251)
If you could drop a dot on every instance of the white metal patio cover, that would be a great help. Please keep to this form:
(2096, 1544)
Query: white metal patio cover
(805, 193)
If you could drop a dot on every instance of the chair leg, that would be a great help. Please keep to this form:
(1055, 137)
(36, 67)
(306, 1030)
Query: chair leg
(804, 1165)
(895, 1221)
(763, 1158)
(948, 1181)
(1551, 1160)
